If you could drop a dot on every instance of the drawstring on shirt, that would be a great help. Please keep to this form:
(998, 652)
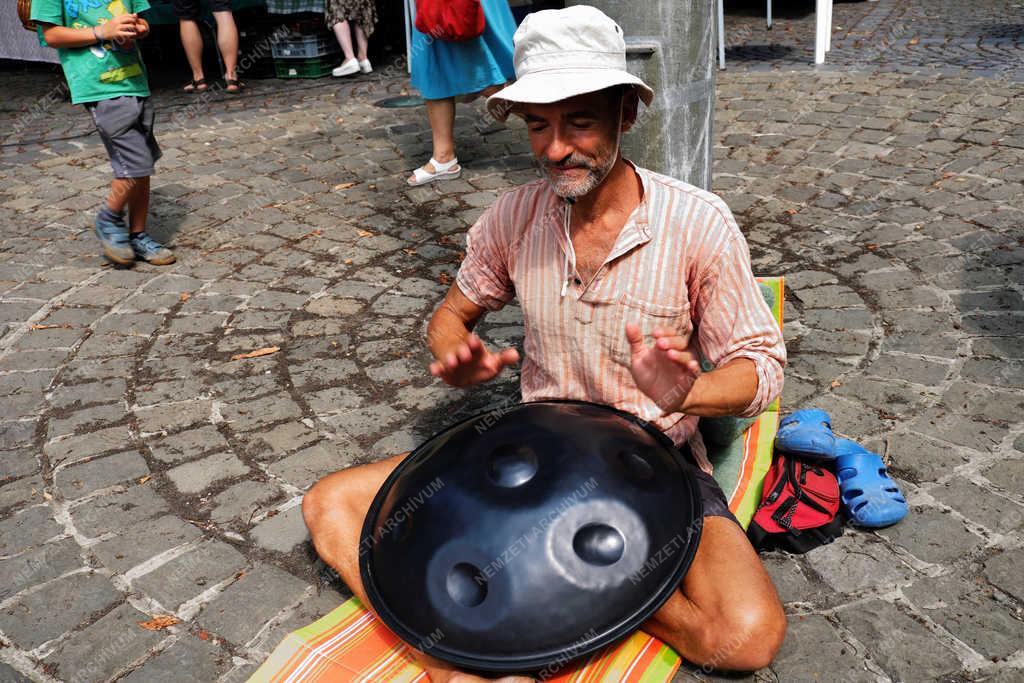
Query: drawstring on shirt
(570, 251)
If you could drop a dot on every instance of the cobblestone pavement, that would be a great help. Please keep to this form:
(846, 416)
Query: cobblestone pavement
(144, 472)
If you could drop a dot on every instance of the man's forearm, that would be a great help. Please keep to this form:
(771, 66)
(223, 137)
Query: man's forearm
(726, 390)
(446, 330)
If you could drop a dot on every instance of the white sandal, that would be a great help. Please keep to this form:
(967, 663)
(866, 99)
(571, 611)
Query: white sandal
(421, 176)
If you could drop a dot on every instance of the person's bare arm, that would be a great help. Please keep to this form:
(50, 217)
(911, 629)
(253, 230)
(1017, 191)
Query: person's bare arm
(669, 373)
(460, 358)
(118, 29)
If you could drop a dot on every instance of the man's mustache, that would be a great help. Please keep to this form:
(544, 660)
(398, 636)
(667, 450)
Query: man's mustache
(573, 161)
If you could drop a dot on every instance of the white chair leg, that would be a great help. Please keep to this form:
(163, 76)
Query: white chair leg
(769, 13)
(820, 12)
(721, 34)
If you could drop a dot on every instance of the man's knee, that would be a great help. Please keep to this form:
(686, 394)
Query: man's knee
(325, 499)
(746, 637)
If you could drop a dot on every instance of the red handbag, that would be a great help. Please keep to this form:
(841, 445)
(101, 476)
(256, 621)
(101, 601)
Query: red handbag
(450, 20)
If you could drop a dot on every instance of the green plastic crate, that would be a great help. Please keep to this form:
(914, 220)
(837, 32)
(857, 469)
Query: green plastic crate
(310, 67)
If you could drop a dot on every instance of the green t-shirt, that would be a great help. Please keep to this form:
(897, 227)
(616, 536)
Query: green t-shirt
(101, 71)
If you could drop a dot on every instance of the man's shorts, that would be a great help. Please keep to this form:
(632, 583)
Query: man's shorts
(711, 494)
(125, 125)
(189, 9)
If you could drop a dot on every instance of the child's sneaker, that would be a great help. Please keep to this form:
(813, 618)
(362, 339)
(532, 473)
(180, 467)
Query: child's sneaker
(113, 235)
(151, 251)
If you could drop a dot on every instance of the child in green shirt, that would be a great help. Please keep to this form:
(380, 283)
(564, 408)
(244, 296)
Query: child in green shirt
(95, 40)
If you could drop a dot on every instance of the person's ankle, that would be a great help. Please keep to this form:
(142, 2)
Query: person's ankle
(444, 157)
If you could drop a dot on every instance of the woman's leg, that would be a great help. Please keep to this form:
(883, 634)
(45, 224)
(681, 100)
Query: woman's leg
(227, 42)
(441, 115)
(362, 43)
(341, 31)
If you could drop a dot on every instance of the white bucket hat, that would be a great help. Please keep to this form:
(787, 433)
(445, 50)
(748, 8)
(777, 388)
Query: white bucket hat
(563, 53)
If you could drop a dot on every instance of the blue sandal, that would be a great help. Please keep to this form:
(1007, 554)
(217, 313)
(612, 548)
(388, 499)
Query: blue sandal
(807, 434)
(871, 498)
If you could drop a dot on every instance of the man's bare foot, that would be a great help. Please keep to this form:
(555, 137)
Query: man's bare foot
(443, 672)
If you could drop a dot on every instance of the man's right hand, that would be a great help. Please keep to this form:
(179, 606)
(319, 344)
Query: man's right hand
(471, 363)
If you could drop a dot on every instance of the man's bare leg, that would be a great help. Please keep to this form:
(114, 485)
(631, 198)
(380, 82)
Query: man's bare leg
(334, 510)
(726, 614)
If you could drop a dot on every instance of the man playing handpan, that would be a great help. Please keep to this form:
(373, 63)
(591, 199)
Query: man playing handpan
(625, 278)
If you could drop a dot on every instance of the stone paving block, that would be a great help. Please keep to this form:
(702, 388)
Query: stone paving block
(814, 651)
(920, 459)
(307, 466)
(333, 400)
(19, 492)
(856, 562)
(114, 511)
(960, 430)
(188, 575)
(83, 478)
(27, 528)
(1004, 374)
(282, 532)
(241, 501)
(318, 371)
(134, 545)
(87, 445)
(980, 505)
(173, 416)
(932, 535)
(56, 608)
(966, 607)
(276, 441)
(905, 649)
(167, 392)
(188, 444)
(195, 476)
(16, 463)
(909, 369)
(321, 603)
(983, 401)
(9, 674)
(202, 659)
(259, 412)
(85, 420)
(248, 604)
(38, 566)
(106, 647)
(1007, 475)
(1003, 572)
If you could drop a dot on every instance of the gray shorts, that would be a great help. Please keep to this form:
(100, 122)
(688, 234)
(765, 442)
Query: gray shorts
(125, 125)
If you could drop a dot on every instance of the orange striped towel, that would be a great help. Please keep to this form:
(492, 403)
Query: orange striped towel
(351, 645)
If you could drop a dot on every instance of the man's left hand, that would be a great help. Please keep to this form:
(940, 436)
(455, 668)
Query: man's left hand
(666, 371)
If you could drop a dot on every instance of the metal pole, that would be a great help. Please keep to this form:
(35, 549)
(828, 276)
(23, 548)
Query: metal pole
(670, 44)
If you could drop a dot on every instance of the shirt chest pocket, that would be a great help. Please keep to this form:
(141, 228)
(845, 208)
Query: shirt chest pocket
(608, 319)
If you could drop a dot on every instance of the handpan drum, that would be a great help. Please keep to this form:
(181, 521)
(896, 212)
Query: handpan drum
(526, 537)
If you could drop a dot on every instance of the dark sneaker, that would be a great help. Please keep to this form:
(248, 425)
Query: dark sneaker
(151, 251)
(113, 235)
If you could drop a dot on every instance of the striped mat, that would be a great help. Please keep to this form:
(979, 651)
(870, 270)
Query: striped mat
(351, 645)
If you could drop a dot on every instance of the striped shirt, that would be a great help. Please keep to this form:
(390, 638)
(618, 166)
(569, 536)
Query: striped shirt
(679, 262)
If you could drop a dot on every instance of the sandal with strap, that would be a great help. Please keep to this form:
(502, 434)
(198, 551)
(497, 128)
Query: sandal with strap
(871, 498)
(195, 86)
(807, 434)
(446, 171)
(233, 83)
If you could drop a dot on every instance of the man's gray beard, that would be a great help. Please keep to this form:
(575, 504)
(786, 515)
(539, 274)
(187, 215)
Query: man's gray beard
(570, 189)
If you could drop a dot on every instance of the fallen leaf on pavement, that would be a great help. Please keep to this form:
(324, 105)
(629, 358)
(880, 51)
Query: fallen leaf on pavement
(145, 479)
(265, 351)
(204, 635)
(348, 262)
(364, 233)
(185, 296)
(915, 41)
(344, 186)
(49, 327)
(409, 251)
(160, 623)
(836, 383)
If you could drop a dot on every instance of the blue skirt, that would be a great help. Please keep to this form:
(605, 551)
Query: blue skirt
(441, 69)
